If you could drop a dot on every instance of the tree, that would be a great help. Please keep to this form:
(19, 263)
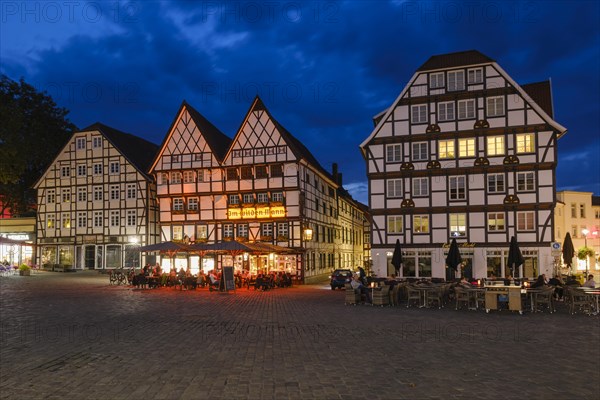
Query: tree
(32, 131)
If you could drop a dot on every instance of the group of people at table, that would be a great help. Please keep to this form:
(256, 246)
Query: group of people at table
(360, 282)
(154, 277)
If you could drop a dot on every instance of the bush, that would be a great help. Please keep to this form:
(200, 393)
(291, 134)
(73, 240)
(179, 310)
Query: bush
(24, 267)
(585, 252)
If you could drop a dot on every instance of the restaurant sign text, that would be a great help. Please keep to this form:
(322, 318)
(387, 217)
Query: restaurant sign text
(255, 212)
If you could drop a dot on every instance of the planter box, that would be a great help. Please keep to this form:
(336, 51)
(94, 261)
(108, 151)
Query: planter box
(26, 272)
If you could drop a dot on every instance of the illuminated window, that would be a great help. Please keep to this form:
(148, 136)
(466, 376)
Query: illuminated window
(177, 232)
(421, 224)
(66, 220)
(446, 149)
(395, 224)
(50, 218)
(525, 143)
(466, 147)
(201, 232)
(458, 225)
(496, 222)
(495, 145)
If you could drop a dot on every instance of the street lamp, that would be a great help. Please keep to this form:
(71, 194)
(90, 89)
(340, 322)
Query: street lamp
(585, 232)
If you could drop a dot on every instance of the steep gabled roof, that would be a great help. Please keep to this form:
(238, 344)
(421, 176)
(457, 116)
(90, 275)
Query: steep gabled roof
(138, 151)
(299, 150)
(541, 93)
(458, 59)
(217, 141)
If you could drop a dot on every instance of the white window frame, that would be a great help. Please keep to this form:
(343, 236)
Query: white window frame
(393, 153)
(51, 196)
(495, 146)
(242, 230)
(495, 106)
(457, 223)
(66, 221)
(66, 195)
(420, 151)
(395, 224)
(80, 143)
(525, 143)
(82, 219)
(420, 224)
(277, 196)
(474, 75)
(394, 188)
(115, 192)
(466, 109)
(437, 80)
(457, 187)
(50, 221)
(176, 177)
(493, 183)
(283, 229)
(65, 172)
(266, 229)
(420, 187)
(131, 191)
(446, 149)
(456, 80)
(81, 194)
(467, 148)
(98, 193)
(114, 168)
(248, 198)
(262, 197)
(496, 221)
(115, 218)
(178, 204)
(188, 176)
(98, 169)
(525, 221)
(525, 181)
(98, 219)
(446, 111)
(82, 170)
(416, 114)
(131, 217)
(97, 142)
(192, 204)
(234, 199)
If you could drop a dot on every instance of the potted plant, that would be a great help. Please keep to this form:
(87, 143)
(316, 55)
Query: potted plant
(24, 270)
(585, 252)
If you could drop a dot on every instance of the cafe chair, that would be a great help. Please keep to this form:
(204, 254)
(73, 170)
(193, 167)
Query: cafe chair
(381, 297)
(480, 299)
(461, 296)
(352, 295)
(394, 293)
(412, 294)
(577, 301)
(544, 298)
(435, 296)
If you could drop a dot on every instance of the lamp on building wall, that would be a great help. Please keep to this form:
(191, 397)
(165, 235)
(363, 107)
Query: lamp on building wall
(308, 233)
(585, 232)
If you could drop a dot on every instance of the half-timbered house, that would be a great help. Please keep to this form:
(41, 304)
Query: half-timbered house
(96, 204)
(464, 151)
(261, 186)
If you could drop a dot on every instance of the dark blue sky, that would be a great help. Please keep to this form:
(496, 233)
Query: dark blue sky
(323, 68)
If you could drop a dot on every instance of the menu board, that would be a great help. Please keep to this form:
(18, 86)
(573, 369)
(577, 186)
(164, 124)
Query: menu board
(228, 279)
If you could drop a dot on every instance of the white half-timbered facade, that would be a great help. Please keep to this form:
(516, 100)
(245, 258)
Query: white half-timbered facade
(96, 204)
(465, 152)
(262, 186)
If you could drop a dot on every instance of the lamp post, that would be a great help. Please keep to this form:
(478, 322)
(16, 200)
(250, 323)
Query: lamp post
(585, 232)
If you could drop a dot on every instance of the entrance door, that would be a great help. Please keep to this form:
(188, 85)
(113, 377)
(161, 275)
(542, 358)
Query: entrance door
(90, 257)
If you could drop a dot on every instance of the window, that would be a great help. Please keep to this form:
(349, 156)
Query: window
(177, 232)
(574, 231)
(114, 168)
(51, 196)
(496, 222)
(418, 114)
(227, 230)
(131, 191)
(457, 186)
(175, 177)
(81, 170)
(97, 142)
(597, 213)
(525, 143)
(458, 225)
(200, 175)
(242, 230)
(394, 188)
(495, 183)
(234, 199)
(420, 151)
(198, 157)
(525, 181)
(98, 193)
(266, 229)
(188, 176)
(131, 218)
(475, 75)
(82, 194)
(192, 204)
(98, 219)
(436, 80)
(446, 149)
(393, 152)
(495, 146)
(395, 224)
(466, 147)
(277, 197)
(262, 197)
(446, 111)
(65, 172)
(232, 174)
(178, 204)
(421, 224)
(66, 195)
(201, 232)
(175, 158)
(456, 80)
(247, 173)
(525, 220)
(80, 143)
(495, 106)
(50, 221)
(282, 229)
(97, 169)
(114, 218)
(114, 192)
(581, 210)
(164, 178)
(248, 198)
(420, 187)
(466, 109)
(276, 170)
(66, 220)
(573, 210)
(82, 219)
(261, 172)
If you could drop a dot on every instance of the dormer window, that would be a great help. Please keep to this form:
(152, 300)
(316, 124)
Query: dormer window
(436, 80)
(456, 80)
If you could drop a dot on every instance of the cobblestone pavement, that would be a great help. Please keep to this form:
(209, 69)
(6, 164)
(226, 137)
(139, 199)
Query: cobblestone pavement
(72, 336)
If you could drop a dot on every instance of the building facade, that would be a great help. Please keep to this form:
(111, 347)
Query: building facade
(17, 240)
(579, 214)
(261, 186)
(96, 204)
(464, 152)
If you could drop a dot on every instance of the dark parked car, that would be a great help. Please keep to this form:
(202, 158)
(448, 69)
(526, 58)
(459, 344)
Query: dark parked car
(340, 277)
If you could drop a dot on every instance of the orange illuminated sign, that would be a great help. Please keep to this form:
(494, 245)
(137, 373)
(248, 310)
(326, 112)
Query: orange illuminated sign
(260, 212)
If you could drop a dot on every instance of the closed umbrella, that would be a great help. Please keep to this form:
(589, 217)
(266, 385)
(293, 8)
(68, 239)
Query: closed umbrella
(397, 257)
(568, 251)
(453, 260)
(515, 258)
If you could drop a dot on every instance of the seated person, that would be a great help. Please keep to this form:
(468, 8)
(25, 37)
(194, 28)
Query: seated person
(464, 282)
(213, 280)
(540, 282)
(357, 284)
(508, 280)
(201, 280)
(590, 283)
(558, 283)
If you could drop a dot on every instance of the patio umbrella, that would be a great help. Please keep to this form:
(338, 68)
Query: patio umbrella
(453, 260)
(568, 251)
(397, 257)
(515, 259)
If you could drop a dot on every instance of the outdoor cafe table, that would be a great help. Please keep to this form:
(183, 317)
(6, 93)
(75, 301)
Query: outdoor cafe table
(473, 292)
(424, 290)
(595, 292)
